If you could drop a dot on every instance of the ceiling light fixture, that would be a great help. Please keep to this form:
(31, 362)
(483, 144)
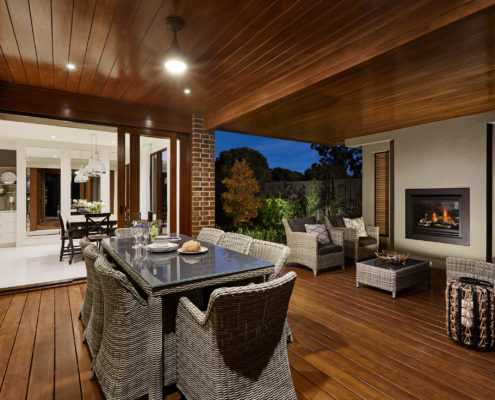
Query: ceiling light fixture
(175, 58)
(81, 176)
(71, 66)
(187, 91)
(95, 167)
(53, 137)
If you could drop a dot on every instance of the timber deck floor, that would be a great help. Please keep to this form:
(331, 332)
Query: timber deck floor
(350, 343)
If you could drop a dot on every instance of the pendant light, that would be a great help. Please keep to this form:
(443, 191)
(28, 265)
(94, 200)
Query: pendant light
(81, 176)
(95, 167)
(175, 58)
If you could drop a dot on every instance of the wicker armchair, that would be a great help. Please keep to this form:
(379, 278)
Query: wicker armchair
(304, 249)
(464, 267)
(94, 328)
(121, 362)
(236, 242)
(355, 247)
(90, 253)
(237, 348)
(211, 235)
(123, 232)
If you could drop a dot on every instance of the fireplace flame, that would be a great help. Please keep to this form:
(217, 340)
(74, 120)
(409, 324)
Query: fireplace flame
(446, 217)
(434, 217)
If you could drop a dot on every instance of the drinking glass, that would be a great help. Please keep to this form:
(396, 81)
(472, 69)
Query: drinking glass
(136, 233)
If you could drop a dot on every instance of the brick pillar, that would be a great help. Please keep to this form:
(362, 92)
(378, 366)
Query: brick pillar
(203, 176)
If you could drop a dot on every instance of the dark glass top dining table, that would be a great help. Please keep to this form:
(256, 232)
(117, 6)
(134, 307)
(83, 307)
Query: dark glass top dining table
(160, 274)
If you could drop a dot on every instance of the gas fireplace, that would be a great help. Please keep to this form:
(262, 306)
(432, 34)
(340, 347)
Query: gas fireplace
(438, 215)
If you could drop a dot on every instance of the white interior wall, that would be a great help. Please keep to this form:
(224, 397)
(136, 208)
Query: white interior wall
(444, 154)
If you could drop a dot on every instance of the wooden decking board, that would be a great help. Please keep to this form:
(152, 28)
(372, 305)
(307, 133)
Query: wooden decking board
(375, 351)
(414, 358)
(16, 379)
(8, 331)
(67, 385)
(4, 306)
(350, 343)
(484, 376)
(373, 362)
(423, 338)
(90, 389)
(326, 383)
(41, 380)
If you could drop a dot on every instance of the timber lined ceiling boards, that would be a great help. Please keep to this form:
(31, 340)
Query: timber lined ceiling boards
(315, 71)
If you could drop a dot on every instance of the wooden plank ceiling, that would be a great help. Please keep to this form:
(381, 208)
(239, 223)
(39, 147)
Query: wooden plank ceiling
(315, 71)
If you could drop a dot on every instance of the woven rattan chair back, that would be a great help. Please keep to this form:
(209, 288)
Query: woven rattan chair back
(123, 232)
(120, 365)
(84, 242)
(236, 242)
(273, 252)
(249, 320)
(90, 255)
(94, 330)
(211, 235)
(237, 349)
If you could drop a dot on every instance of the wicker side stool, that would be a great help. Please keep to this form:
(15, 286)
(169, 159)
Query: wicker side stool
(471, 313)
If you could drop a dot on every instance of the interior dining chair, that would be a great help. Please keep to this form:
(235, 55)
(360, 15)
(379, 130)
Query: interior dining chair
(121, 362)
(97, 226)
(211, 235)
(278, 255)
(236, 242)
(237, 348)
(68, 234)
(90, 254)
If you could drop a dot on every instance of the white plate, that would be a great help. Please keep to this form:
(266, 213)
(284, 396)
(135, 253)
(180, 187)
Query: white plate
(203, 250)
(8, 178)
(161, 247)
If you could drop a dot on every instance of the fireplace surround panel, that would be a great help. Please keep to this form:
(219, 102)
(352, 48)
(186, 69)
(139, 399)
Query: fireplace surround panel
(438, 215)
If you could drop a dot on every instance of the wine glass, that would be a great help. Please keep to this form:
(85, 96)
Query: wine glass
(136, 233)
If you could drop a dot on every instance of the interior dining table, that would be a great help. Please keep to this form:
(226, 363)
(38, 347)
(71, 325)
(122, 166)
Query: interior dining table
(78, 221)
(161, 274)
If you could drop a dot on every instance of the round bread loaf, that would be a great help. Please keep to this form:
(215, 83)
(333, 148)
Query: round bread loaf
(191, 247)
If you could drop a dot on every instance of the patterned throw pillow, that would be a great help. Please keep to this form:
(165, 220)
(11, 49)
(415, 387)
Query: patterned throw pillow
(356, 223)
(319, 230)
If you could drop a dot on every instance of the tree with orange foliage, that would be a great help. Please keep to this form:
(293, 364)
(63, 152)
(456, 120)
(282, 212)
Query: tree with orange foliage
(240, 201)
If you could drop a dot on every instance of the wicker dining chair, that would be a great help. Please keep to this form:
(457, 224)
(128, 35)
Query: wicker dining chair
(94, 329)
(211, 235)
(84, 242)
(236, 242)
(278, 255)
(237, 349)
(123, 232)
(90, 253)
(121, 363)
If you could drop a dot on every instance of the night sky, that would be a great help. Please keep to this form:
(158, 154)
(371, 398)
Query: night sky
(295, 156)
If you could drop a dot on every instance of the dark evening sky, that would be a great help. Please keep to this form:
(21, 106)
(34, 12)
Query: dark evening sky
(295, 156)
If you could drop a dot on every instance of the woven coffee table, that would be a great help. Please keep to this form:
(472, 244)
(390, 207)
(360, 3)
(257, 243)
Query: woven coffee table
(392, 277)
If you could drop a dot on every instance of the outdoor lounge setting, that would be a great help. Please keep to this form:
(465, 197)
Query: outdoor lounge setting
(247, 199)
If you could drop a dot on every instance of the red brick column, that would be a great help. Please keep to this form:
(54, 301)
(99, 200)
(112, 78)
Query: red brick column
(203, 176)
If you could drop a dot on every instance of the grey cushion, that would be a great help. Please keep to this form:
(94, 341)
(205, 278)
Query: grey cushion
(366, 241)
(321, 231)
(329, 248)
(297, 225)
(336, 221)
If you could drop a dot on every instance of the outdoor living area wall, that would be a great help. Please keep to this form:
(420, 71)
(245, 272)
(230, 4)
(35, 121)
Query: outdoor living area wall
(445, 154)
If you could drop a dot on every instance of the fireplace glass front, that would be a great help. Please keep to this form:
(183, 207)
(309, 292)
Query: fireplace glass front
(439, 215)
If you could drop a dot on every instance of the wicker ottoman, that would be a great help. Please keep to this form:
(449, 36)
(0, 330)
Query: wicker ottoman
(471, 313)
(390, 276)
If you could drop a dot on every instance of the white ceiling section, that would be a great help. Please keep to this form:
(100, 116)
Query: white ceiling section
(14, 128)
